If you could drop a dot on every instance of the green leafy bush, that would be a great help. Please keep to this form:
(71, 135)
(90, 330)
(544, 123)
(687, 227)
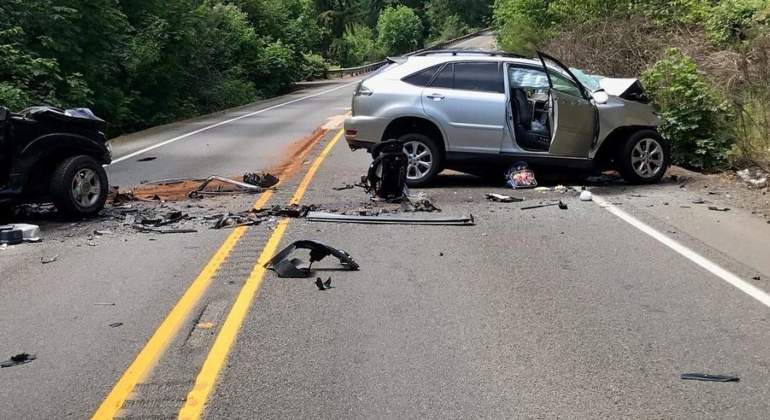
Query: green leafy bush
(399, 30)
(313, 67)
(522, 24)
(695, 119)
(729, 20)
(357, 46)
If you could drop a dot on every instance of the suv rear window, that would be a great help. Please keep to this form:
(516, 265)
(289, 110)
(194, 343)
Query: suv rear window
(481, 77)
(422, 77)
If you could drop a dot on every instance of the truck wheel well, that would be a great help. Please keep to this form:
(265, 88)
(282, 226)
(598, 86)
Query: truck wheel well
(404, 125)
(612, 144)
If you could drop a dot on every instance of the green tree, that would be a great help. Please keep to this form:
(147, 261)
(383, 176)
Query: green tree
(399, 30)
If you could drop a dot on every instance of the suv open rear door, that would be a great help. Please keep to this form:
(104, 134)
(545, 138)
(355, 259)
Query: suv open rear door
(573, 113)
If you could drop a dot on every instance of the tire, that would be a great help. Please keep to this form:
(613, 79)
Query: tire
(415, 146)
(644, 157)
(79, 187)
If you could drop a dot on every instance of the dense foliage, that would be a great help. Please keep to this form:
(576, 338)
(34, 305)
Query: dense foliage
(143, 62)
(713, 90)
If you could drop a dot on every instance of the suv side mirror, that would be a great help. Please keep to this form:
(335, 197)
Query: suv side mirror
(600, 97)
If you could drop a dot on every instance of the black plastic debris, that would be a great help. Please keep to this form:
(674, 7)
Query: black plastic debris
(294, 267)
(10, 236)
(502, 198)
(386, 177)
(715, 208)
(344, 187)
(146, 159)
(328, 283)
(116, 324)
(419, 202)
(260, 179)
(162, 231)
(709, 378)
(757, 278)
(560, 203)
(19, 359)
(315, 216)
(319, 284)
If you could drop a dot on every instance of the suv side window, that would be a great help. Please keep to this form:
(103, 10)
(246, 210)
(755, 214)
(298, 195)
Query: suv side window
(527, 78)
(422, 77)
(446, 78)
(479, 76)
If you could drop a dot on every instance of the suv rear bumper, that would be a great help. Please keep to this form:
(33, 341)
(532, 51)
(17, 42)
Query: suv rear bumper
(363, 132)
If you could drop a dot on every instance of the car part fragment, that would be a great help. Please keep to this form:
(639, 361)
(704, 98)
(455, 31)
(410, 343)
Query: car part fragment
(294, 267)
(709, 378)
(317, 216)
(243, 186)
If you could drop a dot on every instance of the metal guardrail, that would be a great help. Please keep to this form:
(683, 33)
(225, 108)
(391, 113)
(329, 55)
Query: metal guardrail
(367, 68)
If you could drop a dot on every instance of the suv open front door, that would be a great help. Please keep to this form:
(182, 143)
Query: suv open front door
(573, 113)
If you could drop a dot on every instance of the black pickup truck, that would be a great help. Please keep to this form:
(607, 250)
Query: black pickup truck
(51, 154)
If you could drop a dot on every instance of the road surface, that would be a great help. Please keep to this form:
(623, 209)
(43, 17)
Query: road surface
(588, 312)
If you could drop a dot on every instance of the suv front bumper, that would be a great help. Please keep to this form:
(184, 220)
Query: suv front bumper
(363, 132)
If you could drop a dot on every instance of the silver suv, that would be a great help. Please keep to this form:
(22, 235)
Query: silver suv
(476, 111)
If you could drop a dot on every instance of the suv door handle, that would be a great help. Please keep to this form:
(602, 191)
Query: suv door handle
(436, 96)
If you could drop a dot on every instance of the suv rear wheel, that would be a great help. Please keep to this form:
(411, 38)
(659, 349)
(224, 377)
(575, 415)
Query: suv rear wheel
(644, 158)
(79, 186)
(424, 159)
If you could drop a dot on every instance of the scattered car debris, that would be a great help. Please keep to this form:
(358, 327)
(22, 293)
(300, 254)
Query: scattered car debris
(560, 203)
(709, 378)
(116, 324)
(315, 216)
(699, 201)
(104, 303)
(48, 260)
(542, 189)
(146, 159)
(387, 174)
(419, 202)
(29, 233)
(260, 179)
(754, 177)
(344, 187)
(18, 359)
(10, 236)
(502, 198)
(162, 231)
(715, 208)
(294, 268)
(256, 216)
(586, 195)
(319, 284)
(757, 278)
(242, 187)
(328, 283)
(519, 176)
(102, 232)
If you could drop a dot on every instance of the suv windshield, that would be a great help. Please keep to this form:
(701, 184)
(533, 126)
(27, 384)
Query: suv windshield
(589, 82)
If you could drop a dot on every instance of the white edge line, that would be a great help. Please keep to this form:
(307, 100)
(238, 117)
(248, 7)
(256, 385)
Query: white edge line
(200, 130)
(686, 252)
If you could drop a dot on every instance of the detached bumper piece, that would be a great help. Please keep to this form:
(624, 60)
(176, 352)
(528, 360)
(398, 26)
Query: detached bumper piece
(295, 268)
(316, 216)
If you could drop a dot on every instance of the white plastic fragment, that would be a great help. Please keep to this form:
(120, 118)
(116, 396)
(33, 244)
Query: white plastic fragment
(586, 195)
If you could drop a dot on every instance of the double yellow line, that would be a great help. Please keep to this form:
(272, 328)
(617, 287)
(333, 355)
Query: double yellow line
(212, 366)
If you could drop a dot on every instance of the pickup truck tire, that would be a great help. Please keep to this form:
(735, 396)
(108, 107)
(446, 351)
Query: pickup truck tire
(424, 159)
(79, 187)
(644, 157)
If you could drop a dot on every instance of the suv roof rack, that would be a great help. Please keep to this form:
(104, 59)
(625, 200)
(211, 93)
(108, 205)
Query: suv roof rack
(463, 52)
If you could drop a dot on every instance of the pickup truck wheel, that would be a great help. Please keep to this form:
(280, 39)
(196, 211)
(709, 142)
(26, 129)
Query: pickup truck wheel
(644, 158)
(424, 159)
(79, 186)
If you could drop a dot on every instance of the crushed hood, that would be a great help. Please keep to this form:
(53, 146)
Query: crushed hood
(630, 89)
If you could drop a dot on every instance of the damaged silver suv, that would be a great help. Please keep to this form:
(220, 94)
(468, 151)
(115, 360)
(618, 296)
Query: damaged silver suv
(477, 111)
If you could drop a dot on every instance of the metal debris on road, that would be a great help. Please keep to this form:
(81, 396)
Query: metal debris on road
(344, 187)
(501, 198)
(146, 159)
(48, 260)
(328, 283)
(709, 378)
(699, 201)
(560, 203)
(715, 208)
(419, 202)
(11, 236)
(242, 187)
(116, 324)
(319, 284)
(260, 179)
(257, 216)
(162, 231)
(18, 359)
(294, 268)
(315, 216)
(104, 303)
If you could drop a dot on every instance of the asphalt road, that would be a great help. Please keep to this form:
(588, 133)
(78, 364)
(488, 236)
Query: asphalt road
(541, 313)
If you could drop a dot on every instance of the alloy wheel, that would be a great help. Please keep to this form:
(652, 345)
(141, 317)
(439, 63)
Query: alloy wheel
(86, 187)
(420, 159)
(647, 158)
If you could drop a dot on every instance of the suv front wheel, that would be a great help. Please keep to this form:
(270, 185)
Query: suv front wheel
(644, 158)
(424, 159)
(79, 186)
